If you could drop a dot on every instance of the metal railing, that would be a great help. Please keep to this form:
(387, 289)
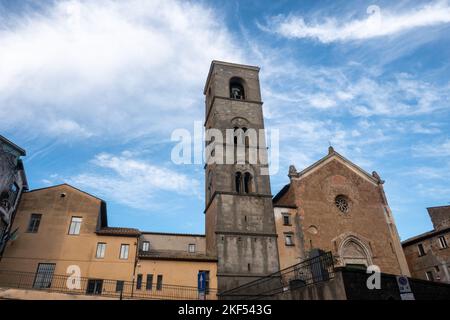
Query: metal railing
(99, 287)
(313, 270)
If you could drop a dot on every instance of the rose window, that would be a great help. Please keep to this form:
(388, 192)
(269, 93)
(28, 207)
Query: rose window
(342, 203)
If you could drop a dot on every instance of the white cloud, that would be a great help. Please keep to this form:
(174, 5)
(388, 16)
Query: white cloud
(67, 128)
(355, 90)
(378, 23)
(321, 101)
(441, 149)
(108, 68)
(132, 182)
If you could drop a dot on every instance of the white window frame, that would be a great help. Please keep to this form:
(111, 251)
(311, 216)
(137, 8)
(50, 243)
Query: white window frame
(124, 251)
(146, 246)
(443, 242)
(191, 248)
(288, 216)
(286, 237)
(418, 249)
(101, 249)
(75, 225)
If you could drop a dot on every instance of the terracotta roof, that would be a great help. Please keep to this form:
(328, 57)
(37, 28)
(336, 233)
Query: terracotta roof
(174, 234)
(117, 231)
(424, 236)
(175, 255)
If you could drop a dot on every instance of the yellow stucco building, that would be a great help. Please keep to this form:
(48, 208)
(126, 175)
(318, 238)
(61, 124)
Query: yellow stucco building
(62, 231)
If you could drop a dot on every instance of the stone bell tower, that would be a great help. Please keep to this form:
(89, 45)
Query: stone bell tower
(240, 227)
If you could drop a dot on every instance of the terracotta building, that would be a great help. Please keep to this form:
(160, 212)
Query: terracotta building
(428, 254)
(333, 205)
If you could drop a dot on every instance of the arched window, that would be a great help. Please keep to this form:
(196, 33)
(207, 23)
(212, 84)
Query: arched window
(354, 253)
(241, 134)
(209, 186)
(247, 182)
(237, 181)
(235, 134)
(237, 89)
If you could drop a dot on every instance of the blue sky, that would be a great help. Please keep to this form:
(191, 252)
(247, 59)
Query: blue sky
(93, 91)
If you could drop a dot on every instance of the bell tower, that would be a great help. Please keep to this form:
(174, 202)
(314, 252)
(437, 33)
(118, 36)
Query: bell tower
(240, 227)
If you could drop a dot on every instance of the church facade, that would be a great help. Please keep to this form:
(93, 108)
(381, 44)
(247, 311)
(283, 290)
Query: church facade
(333, 205)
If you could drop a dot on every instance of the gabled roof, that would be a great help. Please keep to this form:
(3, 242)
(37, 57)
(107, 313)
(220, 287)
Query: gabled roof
(67, 185)
(174, 234)
(21, 151)
(103, 222)
(333, 155)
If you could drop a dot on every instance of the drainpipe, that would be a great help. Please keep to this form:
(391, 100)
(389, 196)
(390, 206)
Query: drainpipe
(136, 259)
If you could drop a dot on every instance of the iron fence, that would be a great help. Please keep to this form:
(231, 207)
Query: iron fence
(100, 287)
(313, 270)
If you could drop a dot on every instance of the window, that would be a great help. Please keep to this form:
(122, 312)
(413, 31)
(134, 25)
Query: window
(206, 273)
(124, 249)
(2, 228)
(44, 275)
(288, 239)
(94, 286)
(247, 182)
(443, 242)
(35, 220)
(429, 275)
(139, 282)
(191, 248)
(75, 225)
(436, 268)
(149, 284)
(159, 282)
(237, 181)
(421, 250)
(210, 185)
(119, 285)
(237, 89)
(286, 219)
(101, 247)
(341, 203)
(14, 190)
(145, 246)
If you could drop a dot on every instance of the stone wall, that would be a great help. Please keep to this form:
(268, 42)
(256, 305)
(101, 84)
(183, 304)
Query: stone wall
(436, 259)
(440, 216)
